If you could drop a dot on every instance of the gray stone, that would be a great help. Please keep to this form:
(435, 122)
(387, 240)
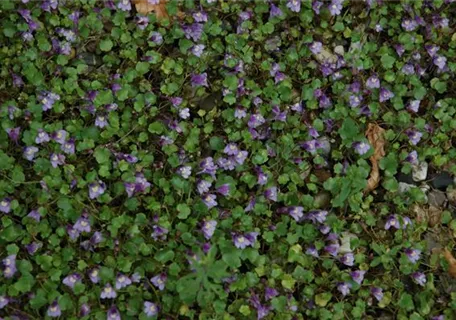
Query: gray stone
(420, 171)
(437, 198)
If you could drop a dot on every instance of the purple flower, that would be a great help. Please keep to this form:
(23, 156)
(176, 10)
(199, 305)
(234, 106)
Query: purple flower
(122, 281)
(344, 288)
(296, 213)
(316, 47)
(84, 310)
(5, 205)
(101, 121)
(113, 313)
(198, 50)
(318, 216)
(262, 311)
(68, 147)
(240, 157)
(392, 222)
(96, 189)
(358, 276)
(332, 249)
(73, 234)
(184, 113)
(405, 222)
(297, 107)
(30, 152)
(414, 136)
(35, 215)
(224, 189)
(241, 241)
(208, 228)
(240, 113)
(294, 5)
(96, 238)
(373, 82)
(193, 31)
(150, 309)
(275, 11)
(142, 22)
(256, 120)
(311, 145)
(419, 278)
(271, 193)
(348, 259)
(159, 281)
(200, 16)
(409, 24)
(440, 61)
(54, 310)
(316, 5)
(94, 275)
(48, 99)
(210, 200)
(108, 292)
(136, 277)
(412, 157)
(414, 105)
(124, 5)
(278, 115)
(408, 69)
(14, 133)
(3, 301)
(9, 264)
(312, 251)
(262, 178)
(413, 255)
(176, 101)
(231, 149)
(432, 49)
(335, 7)
(199, 80)
(159, 232)
(440, 317)
(59, 136)
(270, 293)
(185, 171)
(354, 101)
(250, 205)
(385, 95)
(57, 160)
(33, 247)
(324, 229)
(82, 224)
(361, 147)
(71, 280)
(208, 166)
(377, 293)
(203, 186)
(156, 37)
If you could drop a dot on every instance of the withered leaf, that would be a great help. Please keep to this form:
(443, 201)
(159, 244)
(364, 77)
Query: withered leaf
(451, 262)
(144, 7)
(375, 135)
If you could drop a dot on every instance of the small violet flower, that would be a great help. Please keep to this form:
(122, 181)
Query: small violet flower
(159, 281)
(54, 310)
(413, 255)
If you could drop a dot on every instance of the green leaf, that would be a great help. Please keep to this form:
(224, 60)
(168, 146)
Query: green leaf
(387, 61)
(406, 302)
(349, 130)
(322, 299)
(106, 45)
(184, 211)
(102, 155)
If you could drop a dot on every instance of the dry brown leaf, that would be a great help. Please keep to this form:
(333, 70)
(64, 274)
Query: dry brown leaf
(375, 135)
(451, 262)
(144, 7)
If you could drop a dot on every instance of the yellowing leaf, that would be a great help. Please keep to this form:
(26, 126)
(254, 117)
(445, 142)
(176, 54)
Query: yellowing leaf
(144, 7)
(451, 262)
(375, 135)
